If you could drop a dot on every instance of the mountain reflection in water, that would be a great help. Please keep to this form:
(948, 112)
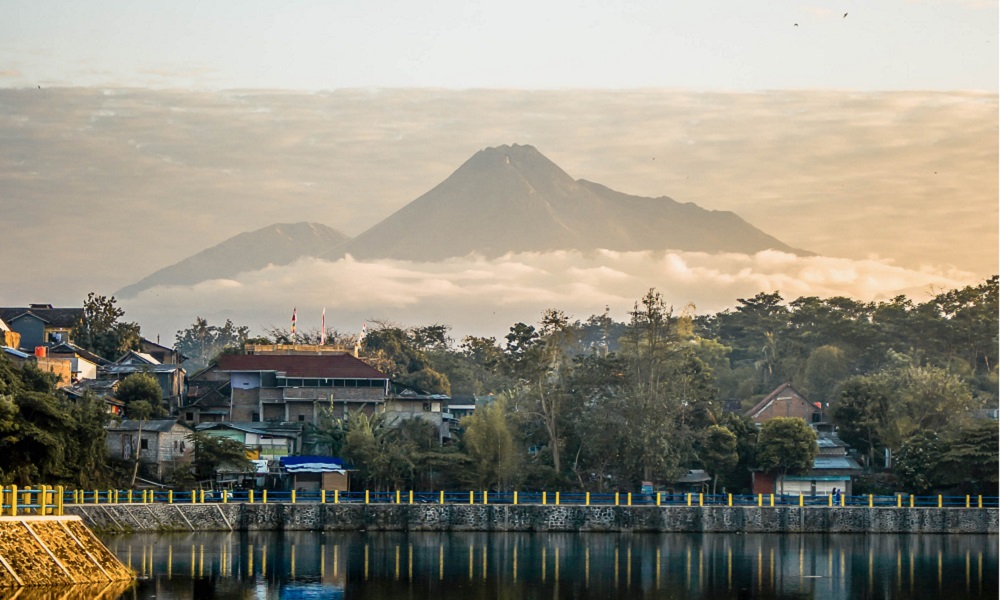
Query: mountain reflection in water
(443, 566)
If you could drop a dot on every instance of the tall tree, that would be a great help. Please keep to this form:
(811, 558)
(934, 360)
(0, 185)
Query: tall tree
(786, 446)
(541, 367)
(718, 452)
(212, 452)
(489, 442)
(101, 331)
(143, 400)
(202, 343)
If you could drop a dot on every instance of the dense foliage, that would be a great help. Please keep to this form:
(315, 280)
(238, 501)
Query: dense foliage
(46, 438)
(599, 405)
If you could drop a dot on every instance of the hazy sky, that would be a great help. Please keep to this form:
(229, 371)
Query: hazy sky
(332, 44)
(164, 128)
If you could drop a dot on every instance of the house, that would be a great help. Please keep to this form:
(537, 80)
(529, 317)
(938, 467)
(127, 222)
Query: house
(163, 354)
(161, 443)
(833, 468)
(60, 367)
(785, 401)
(407, 402)
(263, 441)
(314, 473)
(83, 363)
(169, 376)
(41, 324)
(207, 402)
(694, 481)
(296, 387)
(104, 389)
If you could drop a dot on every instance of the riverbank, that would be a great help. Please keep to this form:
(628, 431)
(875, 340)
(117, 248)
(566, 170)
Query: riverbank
(128, 518)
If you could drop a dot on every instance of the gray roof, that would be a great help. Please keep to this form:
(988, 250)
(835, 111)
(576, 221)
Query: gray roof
(836, 463)
(129, 369)
(71, 348)
(157, 425)
(14, 352)
(247, 428)
(56, 317)
(694, 476)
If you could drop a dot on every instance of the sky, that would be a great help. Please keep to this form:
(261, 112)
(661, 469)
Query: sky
(136, 134)
(333, 44)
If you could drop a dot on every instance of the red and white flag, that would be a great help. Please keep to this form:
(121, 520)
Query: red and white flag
(322, 328)
(294, 319)
(364, 330)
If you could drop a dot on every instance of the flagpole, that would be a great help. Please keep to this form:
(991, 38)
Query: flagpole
(322, 328)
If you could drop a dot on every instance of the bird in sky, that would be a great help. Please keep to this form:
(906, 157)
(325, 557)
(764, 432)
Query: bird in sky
(845, 15)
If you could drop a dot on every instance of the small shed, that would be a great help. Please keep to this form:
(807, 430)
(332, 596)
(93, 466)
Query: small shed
(315, 473)
(695, 481)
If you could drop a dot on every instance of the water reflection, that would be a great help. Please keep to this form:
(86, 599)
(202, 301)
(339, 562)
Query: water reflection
(557, 565)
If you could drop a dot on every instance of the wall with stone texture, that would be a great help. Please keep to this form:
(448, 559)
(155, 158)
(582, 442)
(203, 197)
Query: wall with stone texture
(44, 551)
(463, 517)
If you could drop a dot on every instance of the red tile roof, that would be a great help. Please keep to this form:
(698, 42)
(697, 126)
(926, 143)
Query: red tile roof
(335, 366)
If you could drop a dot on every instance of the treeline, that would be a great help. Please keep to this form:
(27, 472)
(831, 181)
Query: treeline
(598, 404)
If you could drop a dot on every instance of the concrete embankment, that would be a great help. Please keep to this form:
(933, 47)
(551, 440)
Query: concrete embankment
(458, 517)
(48, 551)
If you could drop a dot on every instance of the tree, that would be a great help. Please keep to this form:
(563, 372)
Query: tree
(212, 452)
(142, 396)
(826, 367)
(663, 376)
(44, 436)
(490, 445)
(541, 368)
(918, 462)
(383, 461)
(718, 452)
(202, 343)
(739, 477)
(970, 458)
(141, 387)
(786, 446)
(399, 352)
(101, 331)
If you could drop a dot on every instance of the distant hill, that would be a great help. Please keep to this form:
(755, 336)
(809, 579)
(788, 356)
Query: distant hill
(278, 244)
(504, 199)
(514, 199)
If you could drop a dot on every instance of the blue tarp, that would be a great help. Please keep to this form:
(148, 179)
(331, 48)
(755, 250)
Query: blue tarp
(312, 464)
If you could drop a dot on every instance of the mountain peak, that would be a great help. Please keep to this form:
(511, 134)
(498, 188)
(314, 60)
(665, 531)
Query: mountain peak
(511, 198)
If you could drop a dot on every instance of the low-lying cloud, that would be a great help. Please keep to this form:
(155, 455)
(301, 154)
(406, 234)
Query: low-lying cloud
(477, 296)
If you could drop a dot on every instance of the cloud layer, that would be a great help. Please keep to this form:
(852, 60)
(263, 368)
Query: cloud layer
(485, 297)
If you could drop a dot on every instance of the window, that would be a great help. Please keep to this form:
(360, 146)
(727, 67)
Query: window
(255, 416)
(427, 407)
(189, 416)
(144, 444)
(302, 417)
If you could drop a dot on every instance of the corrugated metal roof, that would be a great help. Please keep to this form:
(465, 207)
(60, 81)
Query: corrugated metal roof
(14, 352)
(337, 366)
(158, 425)
(312, 464)
(835, 462)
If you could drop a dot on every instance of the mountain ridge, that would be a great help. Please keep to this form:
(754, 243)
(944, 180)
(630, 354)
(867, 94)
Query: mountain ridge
(277, 244)
(503, 199)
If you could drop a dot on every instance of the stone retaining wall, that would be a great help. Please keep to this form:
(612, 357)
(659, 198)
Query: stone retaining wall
(464, 517)
(45, 551)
